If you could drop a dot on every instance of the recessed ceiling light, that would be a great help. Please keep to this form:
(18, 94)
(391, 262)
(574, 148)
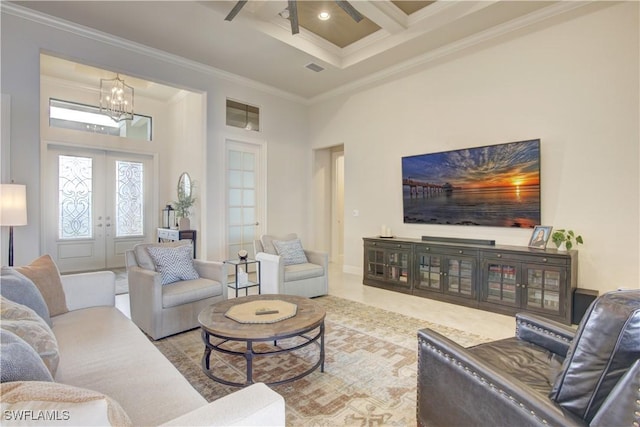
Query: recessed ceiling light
(324, 15)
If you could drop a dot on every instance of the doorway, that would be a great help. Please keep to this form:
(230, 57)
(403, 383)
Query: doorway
(245, 195)
(97, 205)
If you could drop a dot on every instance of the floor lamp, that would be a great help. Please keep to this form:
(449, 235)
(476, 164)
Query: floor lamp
(13, 210)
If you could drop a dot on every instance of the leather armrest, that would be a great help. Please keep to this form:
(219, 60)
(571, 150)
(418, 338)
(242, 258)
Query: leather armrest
(551, 335)
(457, 388)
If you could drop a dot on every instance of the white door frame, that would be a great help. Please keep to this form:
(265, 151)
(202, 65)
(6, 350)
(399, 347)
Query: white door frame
(151, 221)
(261, 185)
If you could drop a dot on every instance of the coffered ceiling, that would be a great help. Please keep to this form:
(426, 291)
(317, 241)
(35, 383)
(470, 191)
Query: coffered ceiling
(325, 57)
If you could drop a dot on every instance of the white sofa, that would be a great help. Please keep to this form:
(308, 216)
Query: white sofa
(102, 350)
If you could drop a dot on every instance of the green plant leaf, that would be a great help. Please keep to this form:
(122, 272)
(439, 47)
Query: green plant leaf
(568, 245)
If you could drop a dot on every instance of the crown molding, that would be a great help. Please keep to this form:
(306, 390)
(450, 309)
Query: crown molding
(455, 47)
(140, 49)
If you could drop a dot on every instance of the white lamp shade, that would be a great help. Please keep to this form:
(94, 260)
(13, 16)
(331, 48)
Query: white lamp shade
(14, 204)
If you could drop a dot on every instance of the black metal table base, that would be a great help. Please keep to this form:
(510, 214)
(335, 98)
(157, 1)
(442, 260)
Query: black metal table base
(249, 354)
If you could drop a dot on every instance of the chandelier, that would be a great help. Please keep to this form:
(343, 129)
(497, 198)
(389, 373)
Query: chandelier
(116, 99)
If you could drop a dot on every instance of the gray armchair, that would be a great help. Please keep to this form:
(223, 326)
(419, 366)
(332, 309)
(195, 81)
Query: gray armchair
(307, 279)
(162, 310)
(548, 374)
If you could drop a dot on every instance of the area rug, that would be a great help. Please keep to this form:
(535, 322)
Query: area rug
(370, 368)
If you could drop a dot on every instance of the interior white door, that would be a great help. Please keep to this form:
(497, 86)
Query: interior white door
(245, 195)
(97, 205)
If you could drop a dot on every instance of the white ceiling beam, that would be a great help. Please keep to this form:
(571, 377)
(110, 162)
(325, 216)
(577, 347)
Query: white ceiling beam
(384, 13)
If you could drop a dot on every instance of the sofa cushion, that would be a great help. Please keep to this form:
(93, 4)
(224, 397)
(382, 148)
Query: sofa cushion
(606, 344)
(267, 242)
(143, 258)
(19, 288)
(302, 271)
(173, 264)
(73, 405)
(45, 275)
(122, 363)
(26, 324)
(188, 291)
(535, 366)
(19, 361)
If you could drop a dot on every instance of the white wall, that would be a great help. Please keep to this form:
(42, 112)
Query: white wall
(574, 85)
(284, 123)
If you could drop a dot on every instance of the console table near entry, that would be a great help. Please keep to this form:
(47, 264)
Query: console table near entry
(167, 234)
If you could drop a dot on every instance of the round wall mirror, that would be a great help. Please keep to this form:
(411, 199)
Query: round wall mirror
(184, 186)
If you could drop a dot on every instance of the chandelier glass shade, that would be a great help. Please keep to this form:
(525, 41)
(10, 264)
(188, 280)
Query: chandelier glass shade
(116, 99)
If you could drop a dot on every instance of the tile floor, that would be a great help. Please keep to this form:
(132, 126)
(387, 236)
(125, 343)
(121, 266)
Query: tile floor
(349, 286)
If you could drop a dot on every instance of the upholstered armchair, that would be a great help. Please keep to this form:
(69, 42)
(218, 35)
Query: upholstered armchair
(287, 268)
(166, 309)
(548, 374)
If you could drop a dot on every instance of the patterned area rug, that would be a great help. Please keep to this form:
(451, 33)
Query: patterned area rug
(370, 367)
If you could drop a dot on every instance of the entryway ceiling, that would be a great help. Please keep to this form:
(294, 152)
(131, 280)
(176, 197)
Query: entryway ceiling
(257, 44)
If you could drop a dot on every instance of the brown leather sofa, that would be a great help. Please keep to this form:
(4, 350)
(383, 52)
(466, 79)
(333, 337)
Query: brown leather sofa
(548, 374)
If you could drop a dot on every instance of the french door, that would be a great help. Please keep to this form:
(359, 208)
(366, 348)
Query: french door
(97, 205)
(245, 187)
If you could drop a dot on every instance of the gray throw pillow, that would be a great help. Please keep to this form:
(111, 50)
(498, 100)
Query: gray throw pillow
(291, 251)
(267, 242)
(19, 288)
(173, 264)
(19, 361)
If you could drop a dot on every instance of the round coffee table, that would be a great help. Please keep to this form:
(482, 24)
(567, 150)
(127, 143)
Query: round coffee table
(214, 323)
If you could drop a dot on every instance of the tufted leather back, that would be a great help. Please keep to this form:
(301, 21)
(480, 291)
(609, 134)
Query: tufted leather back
(605, 346)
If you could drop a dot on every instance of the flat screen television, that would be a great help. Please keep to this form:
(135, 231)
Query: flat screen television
(495, 185)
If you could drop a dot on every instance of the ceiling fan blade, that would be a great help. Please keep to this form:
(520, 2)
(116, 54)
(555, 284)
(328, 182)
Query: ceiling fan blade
(293, 16)
(235, 10)
(351, 11)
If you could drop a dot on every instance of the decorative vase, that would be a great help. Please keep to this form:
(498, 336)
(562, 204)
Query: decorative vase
(184, 224)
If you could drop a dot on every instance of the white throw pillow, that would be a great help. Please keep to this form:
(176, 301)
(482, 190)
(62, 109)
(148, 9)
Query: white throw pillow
(38, 403)
(173, 264)
(291, 251)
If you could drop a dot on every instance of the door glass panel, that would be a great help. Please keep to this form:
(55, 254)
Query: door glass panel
(75, 190)
(248, 180)
(242, 200)
(129, 199)
(235, 197)
(248, 161)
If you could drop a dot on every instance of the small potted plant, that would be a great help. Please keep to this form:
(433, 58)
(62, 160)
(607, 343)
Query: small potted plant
(183, 208)
(568, 237)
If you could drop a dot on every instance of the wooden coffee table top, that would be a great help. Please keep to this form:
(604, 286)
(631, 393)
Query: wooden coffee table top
(309, 315)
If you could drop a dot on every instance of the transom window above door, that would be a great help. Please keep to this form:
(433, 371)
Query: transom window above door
(87, 118)
(242, 115)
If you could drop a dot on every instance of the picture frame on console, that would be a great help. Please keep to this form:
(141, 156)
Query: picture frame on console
(540, 236)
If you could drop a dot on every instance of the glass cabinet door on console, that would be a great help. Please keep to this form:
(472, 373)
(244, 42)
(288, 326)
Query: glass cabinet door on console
(501, 283)
(429, 271)
(542, 288)
(459, 276)
(374, 262)
(389, 264)
(445, 269)
(398, 267)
